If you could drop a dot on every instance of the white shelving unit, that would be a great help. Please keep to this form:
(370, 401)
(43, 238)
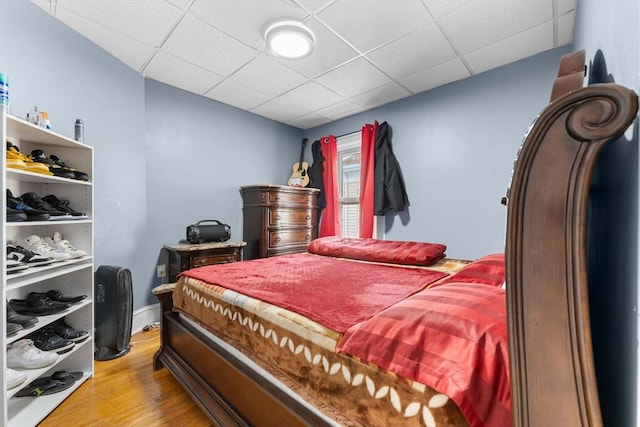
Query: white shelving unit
(73, 277)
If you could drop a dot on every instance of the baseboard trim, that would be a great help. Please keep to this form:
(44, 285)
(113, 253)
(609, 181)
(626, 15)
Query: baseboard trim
(145, 316)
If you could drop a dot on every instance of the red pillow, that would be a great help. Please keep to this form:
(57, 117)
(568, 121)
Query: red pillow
(388, 251)
(488, 270)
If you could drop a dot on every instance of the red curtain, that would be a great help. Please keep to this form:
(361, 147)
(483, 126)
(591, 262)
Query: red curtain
(367, 167)
(330, 222)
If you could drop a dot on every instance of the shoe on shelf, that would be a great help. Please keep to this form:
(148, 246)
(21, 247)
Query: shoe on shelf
(67, 332)
(13, 328)
(32, 214)
(16, 164)
(13, 266)
(32, 259)
(35, 244)
(61, 245)
(16, 157)
(22, 319)
(55, 295)
(38, 304)
(14, 378)
(54, 168)
(33, 200)
(80, 176)
(47, 340)
(45, 386)
(63, 205)
(14, 215)
(23, 354)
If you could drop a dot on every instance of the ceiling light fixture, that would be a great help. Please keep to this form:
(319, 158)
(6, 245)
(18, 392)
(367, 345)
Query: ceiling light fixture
(289, 39)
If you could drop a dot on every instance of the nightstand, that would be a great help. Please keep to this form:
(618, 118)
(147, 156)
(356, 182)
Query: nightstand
(185, 256)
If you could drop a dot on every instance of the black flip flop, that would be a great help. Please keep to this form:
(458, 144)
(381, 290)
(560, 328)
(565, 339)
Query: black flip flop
(43, 387)
(67, 376)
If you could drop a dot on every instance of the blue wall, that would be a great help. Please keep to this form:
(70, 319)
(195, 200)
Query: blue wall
(456, 145)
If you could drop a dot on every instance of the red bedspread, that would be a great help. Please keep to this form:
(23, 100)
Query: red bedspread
(452, 338)
(334, 292)
(389, 251)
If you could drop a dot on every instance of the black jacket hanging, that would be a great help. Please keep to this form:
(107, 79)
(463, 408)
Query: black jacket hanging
(315, 172)
(389, 189)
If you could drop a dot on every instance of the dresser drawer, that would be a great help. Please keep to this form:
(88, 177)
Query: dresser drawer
(289, 237)
(287, 198)
(282, 216)
(199, 261)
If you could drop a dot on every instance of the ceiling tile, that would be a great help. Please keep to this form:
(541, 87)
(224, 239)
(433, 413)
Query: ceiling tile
(329, 52)
(353, 78)
(132, 52)
(437, 76)
(565, 6)
(280, 110)
(246, 20)
(149, 21)
(381, 95)
(268, 76)
(203, 45)
(565, 24)
(484, 26)
(520, 46)
(340, 109)
(439, 8)
(236, 94)
(177, 72)
(412, 53)
(180, 3)
(314, 6)
(308, 121)
(367, 24)
(311, 96)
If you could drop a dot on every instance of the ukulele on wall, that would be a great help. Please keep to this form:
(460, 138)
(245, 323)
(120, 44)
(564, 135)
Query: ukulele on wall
(300, 176)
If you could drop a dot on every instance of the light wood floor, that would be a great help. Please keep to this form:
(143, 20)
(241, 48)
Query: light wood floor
(128, 392)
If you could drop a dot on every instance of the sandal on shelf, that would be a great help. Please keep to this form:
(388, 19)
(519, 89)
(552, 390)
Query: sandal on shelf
(58, 381)
(44, 386)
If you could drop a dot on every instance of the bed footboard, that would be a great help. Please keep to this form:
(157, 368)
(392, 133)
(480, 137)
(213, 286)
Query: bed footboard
(222, 385)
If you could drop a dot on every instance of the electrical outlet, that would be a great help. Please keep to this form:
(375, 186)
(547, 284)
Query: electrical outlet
(161, 271)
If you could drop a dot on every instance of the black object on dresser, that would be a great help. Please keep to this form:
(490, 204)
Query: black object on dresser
(278, 219)
(185, 256)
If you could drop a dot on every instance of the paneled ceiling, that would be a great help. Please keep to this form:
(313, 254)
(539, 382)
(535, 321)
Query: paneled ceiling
(367, 53)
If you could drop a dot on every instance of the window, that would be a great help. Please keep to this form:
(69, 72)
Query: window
(349, 177)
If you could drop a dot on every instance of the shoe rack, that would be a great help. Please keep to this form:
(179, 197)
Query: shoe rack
(71, 277)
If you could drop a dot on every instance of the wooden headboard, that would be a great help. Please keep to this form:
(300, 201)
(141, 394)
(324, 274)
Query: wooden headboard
(553, 379)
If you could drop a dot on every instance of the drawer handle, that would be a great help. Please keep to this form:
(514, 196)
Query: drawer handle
(308, 237)
(278, 239)
(308, 217)
(277, 217)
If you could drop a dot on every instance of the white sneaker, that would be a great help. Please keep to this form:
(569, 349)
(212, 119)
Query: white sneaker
(23, 354)
(14, 378)
(35, 244)
(62, 245)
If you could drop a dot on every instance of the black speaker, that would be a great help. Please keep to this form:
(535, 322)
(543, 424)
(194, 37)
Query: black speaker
(113, 312)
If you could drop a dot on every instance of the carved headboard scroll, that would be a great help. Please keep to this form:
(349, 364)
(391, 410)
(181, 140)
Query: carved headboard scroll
(552, 369)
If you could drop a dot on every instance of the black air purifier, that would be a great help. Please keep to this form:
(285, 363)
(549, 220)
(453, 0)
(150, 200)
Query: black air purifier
(113, 312)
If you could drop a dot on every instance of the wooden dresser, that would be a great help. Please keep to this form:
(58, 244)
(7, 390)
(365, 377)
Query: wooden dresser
(278, 219)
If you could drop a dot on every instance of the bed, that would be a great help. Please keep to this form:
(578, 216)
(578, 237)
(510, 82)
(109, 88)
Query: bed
(262, 357)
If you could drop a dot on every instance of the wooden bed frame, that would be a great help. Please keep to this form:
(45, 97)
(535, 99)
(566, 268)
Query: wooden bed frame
(552, 369)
